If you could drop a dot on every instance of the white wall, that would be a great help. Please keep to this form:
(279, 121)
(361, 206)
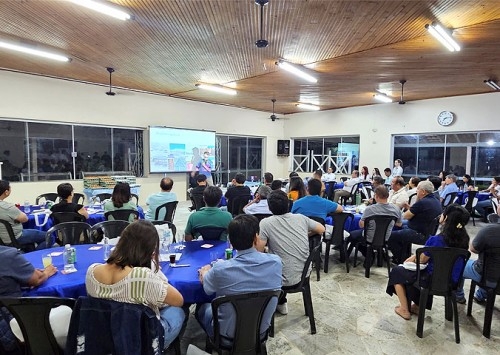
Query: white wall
(376, 124)
(45, 99)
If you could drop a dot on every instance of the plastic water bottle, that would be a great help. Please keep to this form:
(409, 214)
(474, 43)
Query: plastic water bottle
(69, 258)
(106, 247)
(165, 241)
(358, 199)
(27, 207)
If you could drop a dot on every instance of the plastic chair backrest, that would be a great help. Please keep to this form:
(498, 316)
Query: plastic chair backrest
(412, 198)
(172, 227)
(237, 204)
(101, 326)
(444, 258)
(49, 196)
(433, 226)
(103, 196)
(71, 233)
(209, 233)
(13, 241)
(198, 201)
(170, 208)
(383, 226)
(111, 229)
(136, 197)
(494, 204)
(471, 196)
(60, 217)
(121, 215)
(449, 198)
(249, 309)
(339, 224)
(491, 271)
(78, 198)
(32, 315)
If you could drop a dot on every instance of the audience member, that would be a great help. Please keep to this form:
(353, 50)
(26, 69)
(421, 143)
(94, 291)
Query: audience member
(375, 172)
(196, 193)
(401, 280)
(9, 212)
(364, 174)
(276, 185)
(348, 184)
(132, 275)
(204, 167)
(411, 187)
(317, 175)
(398, 168)
(388, 176)
(376, 182)
(65, 193)
(483, 207)
(420, 217)
(329, 176)
(313, 205)
(259, 204)
(449, 187)
(436, 183)
(290, 176)
(297, 188)
(156, 200)
(381, 208)
(209, 216)
(468, 183)
(398, 195)
(287, 235)
(236, 189)
(239, 275)
(268, 179)
(120, 200)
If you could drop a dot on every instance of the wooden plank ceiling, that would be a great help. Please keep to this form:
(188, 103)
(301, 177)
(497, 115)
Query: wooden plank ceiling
(356, 47)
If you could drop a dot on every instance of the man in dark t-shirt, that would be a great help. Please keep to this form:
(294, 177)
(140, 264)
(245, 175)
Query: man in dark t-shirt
(420, 217)
(65, 192)
(237, 189)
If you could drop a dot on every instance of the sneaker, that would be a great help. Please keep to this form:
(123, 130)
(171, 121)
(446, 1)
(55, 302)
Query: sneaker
(479, 300)
(282, 308)
(461, 300)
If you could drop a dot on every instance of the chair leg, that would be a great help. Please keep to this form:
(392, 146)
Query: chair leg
(346, 258)
(488, 312)
(455, 317)
(342, 251)
(448, 311)
(471, 297)
(208, 345)
(424, 294)
(388, 262)
(327, 255)
(355, 256)
(368, 260)
(318, 266)
(306, 295)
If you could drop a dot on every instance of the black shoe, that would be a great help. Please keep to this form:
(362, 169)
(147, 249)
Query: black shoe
(461, 300)
(479, 300)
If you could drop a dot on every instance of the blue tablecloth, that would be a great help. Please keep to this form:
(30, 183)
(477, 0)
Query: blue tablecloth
(354, 222)
(185, 279)
(462, 197)
(94, 218)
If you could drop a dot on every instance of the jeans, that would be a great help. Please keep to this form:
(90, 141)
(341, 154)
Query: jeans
(171, 319)
(400, 240)
(30, 236)
(482, 207)
(471, 273)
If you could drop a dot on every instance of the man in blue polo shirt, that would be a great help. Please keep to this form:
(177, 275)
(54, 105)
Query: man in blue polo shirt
(313, 205)
(156, 200)
(420, 217)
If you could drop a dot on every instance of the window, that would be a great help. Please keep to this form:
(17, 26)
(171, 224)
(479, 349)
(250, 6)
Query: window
(340, 153)
(32, 151)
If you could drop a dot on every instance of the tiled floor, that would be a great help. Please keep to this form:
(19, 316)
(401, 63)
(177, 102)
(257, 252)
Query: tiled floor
(354, 315)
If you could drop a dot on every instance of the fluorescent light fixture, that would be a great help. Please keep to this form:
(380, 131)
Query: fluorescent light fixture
(443, 36)
(492, 84)
(101, 7)
(490, 142)
(217, 88)
(298, 70)
(382, 98)
(32, 51)
(308, 107)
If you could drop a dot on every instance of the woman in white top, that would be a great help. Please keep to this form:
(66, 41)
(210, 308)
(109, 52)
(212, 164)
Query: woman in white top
(364, 175)
(132, 275)
(398, 168)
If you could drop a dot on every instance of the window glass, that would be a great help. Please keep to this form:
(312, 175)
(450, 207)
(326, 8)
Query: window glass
(124, 151)
(93, 147)
(239, 155)
(430, 160)
(13, 149)
(409, 157)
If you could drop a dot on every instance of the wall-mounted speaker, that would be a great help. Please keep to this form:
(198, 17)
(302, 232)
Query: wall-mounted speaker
(284, 147)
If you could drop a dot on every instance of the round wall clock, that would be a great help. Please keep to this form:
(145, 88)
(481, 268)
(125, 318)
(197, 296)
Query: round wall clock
(446, 118)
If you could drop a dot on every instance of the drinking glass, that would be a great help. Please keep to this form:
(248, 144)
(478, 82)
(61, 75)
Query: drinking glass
(46, 260)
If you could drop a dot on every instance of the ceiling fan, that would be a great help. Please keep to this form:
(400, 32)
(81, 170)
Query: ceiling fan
(110, 92)
(261, 43)
(402, 101)
(273, 117)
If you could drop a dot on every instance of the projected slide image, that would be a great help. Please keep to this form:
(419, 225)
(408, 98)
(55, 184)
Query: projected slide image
(180, 150)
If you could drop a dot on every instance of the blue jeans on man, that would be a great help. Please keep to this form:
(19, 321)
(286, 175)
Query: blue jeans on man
(471, 273)
(172, 319)
(34, 236)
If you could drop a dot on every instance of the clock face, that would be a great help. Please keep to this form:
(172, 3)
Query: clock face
(446, 118)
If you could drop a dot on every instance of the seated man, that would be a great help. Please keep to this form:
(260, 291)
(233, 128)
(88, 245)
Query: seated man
(287, 235)
(237, 189)
(346, 190)
(268, 179)
(487, 238)
(196, 193)
(398, 195)
(388, 176)
(239, 275)
(381, 208)
(209, 216)
(420, 216)
(329, 176)
(259, 204)
(376, 182)
(9, 212)
(484, 207)
(65, 192)
(17, 272)
(317, 175)
(313, 205)
(156, 200)
(450, 185)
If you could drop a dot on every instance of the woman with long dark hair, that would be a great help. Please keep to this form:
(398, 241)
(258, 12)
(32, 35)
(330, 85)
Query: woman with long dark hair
(297, 188)
(364, 174)
(120, 199)
(401, 280)
(132, 275)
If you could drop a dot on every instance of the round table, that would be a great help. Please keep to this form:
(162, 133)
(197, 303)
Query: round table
(185, 279)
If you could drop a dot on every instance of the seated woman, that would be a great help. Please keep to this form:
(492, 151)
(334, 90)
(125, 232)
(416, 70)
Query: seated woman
(65, 192)
(120, 200)
(453, 234)
(297, 188)
(132, 275)
(468, 183)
